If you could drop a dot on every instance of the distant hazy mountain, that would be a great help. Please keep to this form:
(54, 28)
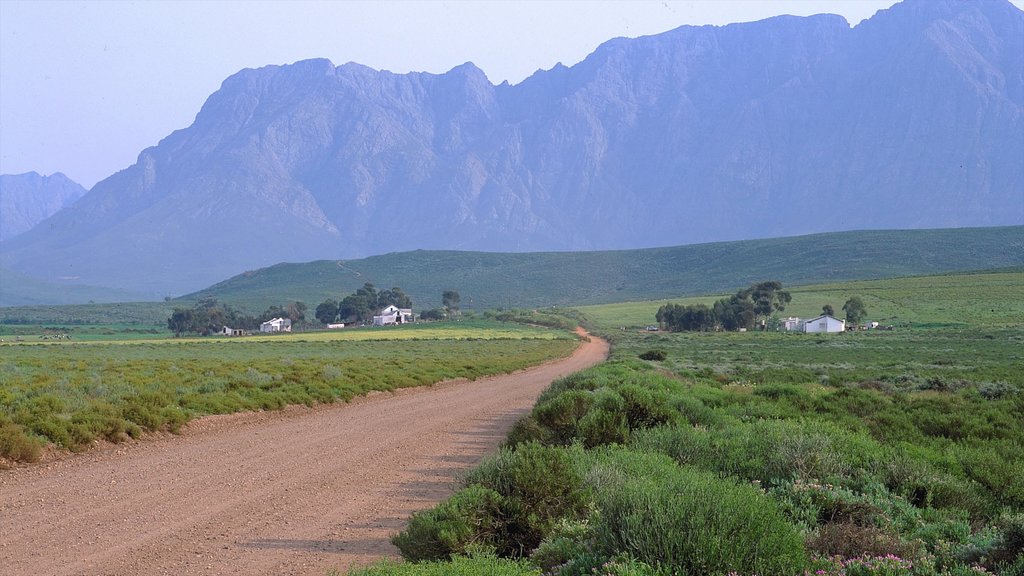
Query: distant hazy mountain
(912, 119)
(28, 199)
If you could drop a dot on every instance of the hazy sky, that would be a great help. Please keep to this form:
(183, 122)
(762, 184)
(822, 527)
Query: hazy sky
(85, 86)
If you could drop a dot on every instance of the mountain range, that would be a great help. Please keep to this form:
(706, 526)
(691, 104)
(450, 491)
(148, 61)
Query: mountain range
(28, 199)
(793, 125)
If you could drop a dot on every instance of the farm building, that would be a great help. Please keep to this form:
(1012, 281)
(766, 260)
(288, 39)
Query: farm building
(792, 323)
(393, 315)
(277, 325)
(824, 323)
(228, 331)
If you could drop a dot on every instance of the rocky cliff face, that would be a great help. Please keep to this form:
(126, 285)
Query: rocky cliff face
(28, 199)
(914, 118)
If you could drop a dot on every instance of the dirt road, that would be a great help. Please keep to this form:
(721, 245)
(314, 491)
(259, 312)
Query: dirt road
(294, 492)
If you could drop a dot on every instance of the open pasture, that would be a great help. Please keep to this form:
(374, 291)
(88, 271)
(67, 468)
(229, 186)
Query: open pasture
(71, 393)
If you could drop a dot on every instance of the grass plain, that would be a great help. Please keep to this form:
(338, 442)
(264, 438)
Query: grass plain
(953, 300)
(71, 393)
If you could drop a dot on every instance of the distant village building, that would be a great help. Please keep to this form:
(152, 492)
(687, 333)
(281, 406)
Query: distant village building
(393, 315)
(226, 331)
(335, 326)
(792, 324)
(277, 325)
(824, 323)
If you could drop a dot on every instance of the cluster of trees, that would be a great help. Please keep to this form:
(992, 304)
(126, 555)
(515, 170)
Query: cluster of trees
(747, 308)
(208, 316)
(361, 305)
(741, 310)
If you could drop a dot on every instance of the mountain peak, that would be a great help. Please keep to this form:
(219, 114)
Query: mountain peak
(911, 119)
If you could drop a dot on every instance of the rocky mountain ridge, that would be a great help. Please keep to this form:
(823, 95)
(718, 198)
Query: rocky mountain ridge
(912, 119)
(28, 199)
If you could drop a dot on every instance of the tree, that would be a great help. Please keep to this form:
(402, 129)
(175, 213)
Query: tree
(182, 320)
(327, 311)
(855, 310)
(296, 311)
(450, 301)
(393, 297)
(768, 297)
(827, 309)
(356, 307)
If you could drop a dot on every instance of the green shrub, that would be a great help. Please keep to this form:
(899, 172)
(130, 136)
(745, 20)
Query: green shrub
(539, 486)
(527, 429)
(15, 445)
(603, 426)
(656, 355)
(696, 523)
(471, 516)
(561, 414)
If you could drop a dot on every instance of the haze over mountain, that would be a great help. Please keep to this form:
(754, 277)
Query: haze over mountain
(912, 119)
(27, 199)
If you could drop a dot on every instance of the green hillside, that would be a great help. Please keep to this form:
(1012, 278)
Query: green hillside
(496, 280)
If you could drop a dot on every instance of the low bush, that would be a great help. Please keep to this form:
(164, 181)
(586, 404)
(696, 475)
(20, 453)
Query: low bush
(697, 523)
(15, 445)
(656, 355)
(472, 516)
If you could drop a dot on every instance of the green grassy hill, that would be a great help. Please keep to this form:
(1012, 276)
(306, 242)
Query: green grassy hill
(493, 280)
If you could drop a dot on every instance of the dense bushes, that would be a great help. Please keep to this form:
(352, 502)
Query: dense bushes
(699, 476)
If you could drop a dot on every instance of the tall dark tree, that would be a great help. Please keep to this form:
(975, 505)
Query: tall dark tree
(450, 300)
(182, 320)
(827, 309)
(855, 310)
(767, 297)
(393, 297)
(327, 311)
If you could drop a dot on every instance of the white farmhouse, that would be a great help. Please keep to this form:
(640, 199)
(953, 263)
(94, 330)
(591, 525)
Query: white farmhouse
(824, 323)
(393, 315)
(277, 325)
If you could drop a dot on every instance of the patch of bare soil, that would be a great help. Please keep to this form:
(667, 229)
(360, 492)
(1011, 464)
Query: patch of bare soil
(299, 491)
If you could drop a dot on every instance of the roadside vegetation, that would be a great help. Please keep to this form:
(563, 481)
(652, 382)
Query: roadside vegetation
(699, 453)
(70, 394)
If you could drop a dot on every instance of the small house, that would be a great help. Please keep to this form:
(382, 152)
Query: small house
(824, 323)
(277, 325)
(393, 315)
(227, 331)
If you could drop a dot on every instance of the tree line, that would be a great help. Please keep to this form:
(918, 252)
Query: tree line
(741, 310)
(363, 304)
(208, 316)
(749, 307)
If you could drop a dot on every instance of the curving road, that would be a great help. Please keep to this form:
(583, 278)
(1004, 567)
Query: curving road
(299, 491)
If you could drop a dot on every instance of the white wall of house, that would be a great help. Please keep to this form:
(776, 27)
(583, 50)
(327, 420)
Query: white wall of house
(823, 324)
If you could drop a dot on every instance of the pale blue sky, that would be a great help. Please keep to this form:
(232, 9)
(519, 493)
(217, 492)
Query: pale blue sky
(85, 86)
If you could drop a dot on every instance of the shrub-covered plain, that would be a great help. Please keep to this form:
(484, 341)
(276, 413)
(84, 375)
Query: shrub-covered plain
(70, 394)
(876, 453)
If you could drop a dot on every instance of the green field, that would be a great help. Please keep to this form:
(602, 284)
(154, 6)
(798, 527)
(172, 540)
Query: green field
(884, 453)
(981, 299)
(69, 393)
